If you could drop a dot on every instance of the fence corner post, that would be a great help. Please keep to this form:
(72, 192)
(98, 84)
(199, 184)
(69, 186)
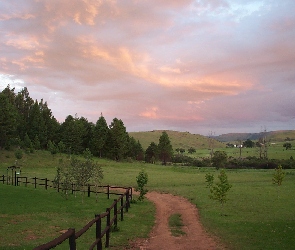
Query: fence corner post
(72, 239)
(107, 244)
(98, 232)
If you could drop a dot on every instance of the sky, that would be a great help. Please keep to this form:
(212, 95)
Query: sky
(201, 66)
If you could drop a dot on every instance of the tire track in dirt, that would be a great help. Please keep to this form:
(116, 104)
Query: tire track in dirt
(160, 236)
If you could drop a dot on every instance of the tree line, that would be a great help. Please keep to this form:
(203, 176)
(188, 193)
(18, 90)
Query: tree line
(30, 124)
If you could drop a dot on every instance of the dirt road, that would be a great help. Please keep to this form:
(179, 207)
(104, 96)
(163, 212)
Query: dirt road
(161, 238)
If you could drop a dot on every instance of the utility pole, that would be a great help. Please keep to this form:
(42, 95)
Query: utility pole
(211, 143)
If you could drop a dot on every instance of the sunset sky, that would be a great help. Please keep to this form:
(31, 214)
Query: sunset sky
(203, 66)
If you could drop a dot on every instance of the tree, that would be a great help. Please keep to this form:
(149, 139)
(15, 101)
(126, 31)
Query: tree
(181, 150)
(27, 143)
(165, 148)
(141, 180)
(61, 147)
(278, 177)
(23, 103)
(52, 148)
(79, 172)
(220, 189)
(117, 143)
(151, 153)
(248, 144)
(209, 179)
(99, 136)
(219, 159)
(135, 150)
(8, 121)
(191, 150)
(72, 134)
(287, 145)
(36, 143)
(36, 125)
(63, 179)
(83, 171)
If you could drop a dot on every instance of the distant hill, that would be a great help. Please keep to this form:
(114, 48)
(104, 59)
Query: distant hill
(280, 135)
(178, 139)
(186, 140)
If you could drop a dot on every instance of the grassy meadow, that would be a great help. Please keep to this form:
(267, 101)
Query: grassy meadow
(258, 214)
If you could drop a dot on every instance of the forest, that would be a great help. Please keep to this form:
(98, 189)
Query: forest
(29, 124)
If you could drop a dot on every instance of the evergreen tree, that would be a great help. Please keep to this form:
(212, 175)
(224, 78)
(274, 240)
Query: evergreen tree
(36, 124)
(61, 147)
(27, 143)
(139, 151)
(99, 136)
(117, 143)
(151, 153)
(165, 148)
(72, 134)
(36, 143)
(23, 103)
(86, 129)
(219, 159)
(8, 121)
(50, 124)
(135, 150)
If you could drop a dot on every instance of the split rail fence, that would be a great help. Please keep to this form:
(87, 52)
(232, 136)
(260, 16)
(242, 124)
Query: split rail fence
(71, 235)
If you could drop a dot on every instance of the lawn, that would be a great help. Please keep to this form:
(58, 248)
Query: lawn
(258, 215)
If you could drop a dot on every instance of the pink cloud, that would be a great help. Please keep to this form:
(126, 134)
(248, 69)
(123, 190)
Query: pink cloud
(160, 64)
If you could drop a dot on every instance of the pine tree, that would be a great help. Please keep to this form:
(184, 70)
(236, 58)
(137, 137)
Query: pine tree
(99, 136)
(8, 121)
(165, 148)
(117, 143)
(151, 153)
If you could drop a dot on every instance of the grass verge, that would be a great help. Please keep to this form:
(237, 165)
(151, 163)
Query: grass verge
(175, 225)
(256, 217)
(31, 217)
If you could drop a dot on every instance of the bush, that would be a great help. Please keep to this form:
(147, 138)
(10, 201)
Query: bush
(18, 154)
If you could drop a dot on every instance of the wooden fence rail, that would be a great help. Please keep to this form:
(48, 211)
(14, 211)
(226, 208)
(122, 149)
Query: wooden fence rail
(50, 184)
(117, 208)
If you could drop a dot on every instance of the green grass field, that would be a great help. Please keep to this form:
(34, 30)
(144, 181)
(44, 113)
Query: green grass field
(256, 216)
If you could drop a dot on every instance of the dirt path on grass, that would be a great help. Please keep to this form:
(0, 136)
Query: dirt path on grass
(161, 239)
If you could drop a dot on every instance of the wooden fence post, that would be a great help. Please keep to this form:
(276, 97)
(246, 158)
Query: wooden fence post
(46, 183)
(108, 227)
(35, 181)
(122, 209)
(127, 205)
(98, 232)
(115, 213)
(88, 190)
(131, 194)
(72, 239)
(3, 180)
(108, 191)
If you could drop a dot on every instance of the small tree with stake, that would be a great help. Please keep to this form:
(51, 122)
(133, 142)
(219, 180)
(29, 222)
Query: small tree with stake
(220, 189)
(278, 177)
(141, 180)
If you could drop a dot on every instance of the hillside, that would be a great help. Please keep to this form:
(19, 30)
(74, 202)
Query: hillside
(279, 135)
(178, 139)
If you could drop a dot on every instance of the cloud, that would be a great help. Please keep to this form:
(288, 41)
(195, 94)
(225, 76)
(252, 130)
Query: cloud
(185, 65)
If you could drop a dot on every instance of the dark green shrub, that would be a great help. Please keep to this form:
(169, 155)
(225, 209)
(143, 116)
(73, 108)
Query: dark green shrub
(18, 154)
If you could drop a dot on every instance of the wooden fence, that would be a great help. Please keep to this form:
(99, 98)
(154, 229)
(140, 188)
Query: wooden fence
(91, 188)
(111, 215)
